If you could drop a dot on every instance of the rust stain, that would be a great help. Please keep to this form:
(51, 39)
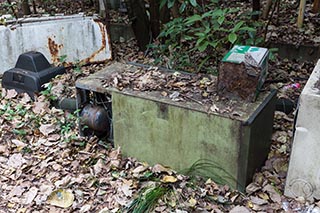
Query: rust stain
(234, 81)
(90, 59)
(54, 49)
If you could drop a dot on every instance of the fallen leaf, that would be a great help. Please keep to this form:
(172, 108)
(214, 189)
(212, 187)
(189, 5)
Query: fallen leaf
(263, 195)
(105, 210)
(258, 201)
(114, 154)
(16, 160)
(192, 202)
(180, 211)
(11, 93)
(214, 108)
(85, 208)
(46, 129)
(275, 196)
(158, 168)
(29, 196)
(3, 149)
(17, 191)
(239, 209)
(22, 210)
(160, 209)
(252, 187)
(125, 188)
(18, 143)
(123, 201)
(169, 179)
(11, 205)
(164, 93)
(140, 169)
(97, 168)
(26, 98)
(46, 189)
(61, 198)
(54, 137)
(40, 107)
(63, 182)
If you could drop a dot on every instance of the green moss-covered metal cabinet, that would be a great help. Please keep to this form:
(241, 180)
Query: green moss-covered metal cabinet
(178, 134)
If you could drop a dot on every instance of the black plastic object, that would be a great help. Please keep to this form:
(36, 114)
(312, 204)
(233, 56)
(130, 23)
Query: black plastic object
(32, 70)
(285, 105)
(69, 104)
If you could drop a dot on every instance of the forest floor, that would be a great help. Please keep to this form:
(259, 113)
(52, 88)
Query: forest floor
(43, 159)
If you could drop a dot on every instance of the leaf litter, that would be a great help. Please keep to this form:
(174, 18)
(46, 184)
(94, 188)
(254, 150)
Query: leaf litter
(42, 164)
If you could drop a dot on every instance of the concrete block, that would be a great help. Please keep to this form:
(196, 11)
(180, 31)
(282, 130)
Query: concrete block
(303, 179)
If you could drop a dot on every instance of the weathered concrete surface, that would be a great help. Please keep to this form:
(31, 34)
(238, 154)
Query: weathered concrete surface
(303, 177)
(81, 39)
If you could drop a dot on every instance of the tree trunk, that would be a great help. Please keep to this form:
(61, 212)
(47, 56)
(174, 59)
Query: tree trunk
(25, 7)
(255, 8)
(164, 15)
(316, 6)
(175, 11)
(155, 17)
(102, 8)
(302, 8)
(140, 22)
(267, 9)
(34, 6)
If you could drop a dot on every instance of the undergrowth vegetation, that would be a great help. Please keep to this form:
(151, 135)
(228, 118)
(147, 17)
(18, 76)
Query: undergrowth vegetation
(196, 39)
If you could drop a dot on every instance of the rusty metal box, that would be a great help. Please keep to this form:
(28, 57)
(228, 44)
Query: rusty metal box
(243, 71)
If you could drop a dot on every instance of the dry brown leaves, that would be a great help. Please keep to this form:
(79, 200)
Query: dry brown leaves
(40, 161)
(175, 85)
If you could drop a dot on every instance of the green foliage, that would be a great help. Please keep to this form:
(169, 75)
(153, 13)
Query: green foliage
(9, 112)
(272, 52)
(202, 35)
(63, 59)
(26, 150)
(20, 132)
(210, 169)
(147, 199)
(67, 125)
(47, 92)
(77, 67)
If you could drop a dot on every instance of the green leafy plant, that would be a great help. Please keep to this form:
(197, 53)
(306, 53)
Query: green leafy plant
(183, 5)
(147, 199)
(68, 125)
(48, 92)
(77, 67)
(193, 41)
(210, 169)
(26, 150)
(20, 132)
(272, 52)
(63, 59)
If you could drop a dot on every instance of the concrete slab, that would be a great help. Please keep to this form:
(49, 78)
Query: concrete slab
(81, 39)
(303, 179)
